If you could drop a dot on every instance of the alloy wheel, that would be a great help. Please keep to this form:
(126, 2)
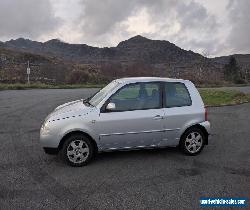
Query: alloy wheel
(193, 142)
(78, 151)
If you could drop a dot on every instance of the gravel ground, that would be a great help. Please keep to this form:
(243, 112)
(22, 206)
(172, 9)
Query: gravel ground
(145, 179)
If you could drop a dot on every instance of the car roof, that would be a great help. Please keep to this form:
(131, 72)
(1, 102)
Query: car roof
(148, 79)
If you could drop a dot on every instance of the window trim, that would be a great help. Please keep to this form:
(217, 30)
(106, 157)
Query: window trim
(165, 98)
(159, 83)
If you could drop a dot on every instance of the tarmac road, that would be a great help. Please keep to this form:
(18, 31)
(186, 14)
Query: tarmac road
(146, 179)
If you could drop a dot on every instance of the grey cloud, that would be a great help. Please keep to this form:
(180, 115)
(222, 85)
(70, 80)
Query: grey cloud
(194, 15)
(209, 47)
(191, 16)
(103, 18)
(239, 17)
(198, 28)
(100, 16)
(26, 18)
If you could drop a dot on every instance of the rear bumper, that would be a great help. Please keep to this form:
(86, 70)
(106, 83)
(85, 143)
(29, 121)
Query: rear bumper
(206, 125)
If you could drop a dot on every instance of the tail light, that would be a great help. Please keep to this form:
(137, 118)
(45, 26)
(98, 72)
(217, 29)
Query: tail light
(206, 117)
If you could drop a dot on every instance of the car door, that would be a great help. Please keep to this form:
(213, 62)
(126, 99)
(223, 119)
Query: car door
(136, 120)
(177, 111)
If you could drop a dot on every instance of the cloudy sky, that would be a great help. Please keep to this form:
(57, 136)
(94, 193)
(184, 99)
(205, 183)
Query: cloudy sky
(211, 27)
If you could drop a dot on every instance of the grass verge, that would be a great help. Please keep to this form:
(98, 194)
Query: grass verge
(211, 97)
(227, 97)
(222, 85)
(20, 86)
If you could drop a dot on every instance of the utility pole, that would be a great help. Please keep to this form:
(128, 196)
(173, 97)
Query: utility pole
(28, 72)
(246, 75)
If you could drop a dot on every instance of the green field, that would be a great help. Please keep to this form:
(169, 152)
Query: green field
(219, 97)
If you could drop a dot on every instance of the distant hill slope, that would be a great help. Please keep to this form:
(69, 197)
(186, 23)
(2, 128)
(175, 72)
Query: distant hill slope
(137, 56)
(137, 48)
(13, 65)
(242, 59)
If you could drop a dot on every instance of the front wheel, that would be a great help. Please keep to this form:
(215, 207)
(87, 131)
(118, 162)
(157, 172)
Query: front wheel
(77, 150)
(192, 141)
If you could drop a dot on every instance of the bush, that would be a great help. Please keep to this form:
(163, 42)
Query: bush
(77, 77)
(240, 81)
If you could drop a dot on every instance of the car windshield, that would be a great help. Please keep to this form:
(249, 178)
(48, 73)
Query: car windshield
(100, 95)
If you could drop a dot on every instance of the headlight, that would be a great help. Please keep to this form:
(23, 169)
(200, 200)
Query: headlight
(45, 128)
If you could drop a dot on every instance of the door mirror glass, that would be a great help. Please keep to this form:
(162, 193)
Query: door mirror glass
(110, 106)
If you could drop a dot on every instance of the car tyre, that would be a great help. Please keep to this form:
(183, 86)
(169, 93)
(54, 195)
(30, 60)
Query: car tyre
(192, 141)
(77, 150)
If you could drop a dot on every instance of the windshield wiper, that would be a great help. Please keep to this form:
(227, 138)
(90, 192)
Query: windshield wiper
(86, 101)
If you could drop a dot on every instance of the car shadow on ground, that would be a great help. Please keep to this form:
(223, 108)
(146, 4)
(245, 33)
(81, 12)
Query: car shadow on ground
(138, 153)
(110, 157)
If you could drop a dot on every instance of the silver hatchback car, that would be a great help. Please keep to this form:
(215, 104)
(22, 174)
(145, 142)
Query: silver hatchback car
(129, 113)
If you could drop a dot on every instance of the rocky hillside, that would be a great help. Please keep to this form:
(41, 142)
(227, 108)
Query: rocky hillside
(242, 59)
(137, 56)
(46, 69)
(136, 49)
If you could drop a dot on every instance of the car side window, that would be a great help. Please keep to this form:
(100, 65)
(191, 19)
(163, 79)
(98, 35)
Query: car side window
(176, 95)
(137, 96)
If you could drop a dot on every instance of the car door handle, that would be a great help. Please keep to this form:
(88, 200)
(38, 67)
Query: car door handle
(158, 117)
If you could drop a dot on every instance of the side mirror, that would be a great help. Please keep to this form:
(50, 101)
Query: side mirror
(110, 106)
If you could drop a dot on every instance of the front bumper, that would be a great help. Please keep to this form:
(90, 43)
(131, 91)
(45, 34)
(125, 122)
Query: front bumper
(51, 151)
(49, 139)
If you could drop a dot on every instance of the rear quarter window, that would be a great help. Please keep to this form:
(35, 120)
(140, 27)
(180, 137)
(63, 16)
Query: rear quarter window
(176, 95)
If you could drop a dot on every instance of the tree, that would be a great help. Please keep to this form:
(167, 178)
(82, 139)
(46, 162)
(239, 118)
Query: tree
(232, 71)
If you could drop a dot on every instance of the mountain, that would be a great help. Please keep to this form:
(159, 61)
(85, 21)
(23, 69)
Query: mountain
(154, 51)
(242, 59)
(135, 49)
(13, 66)
(137, 56)
(52, 47)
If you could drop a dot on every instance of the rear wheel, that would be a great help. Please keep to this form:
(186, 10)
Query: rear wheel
(192, 141)
(77, 150)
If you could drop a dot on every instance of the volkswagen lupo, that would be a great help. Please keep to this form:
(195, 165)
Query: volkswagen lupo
(129, 113)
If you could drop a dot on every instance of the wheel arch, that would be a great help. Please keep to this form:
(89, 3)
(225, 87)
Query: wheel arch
(202, 128)
(81, 133)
